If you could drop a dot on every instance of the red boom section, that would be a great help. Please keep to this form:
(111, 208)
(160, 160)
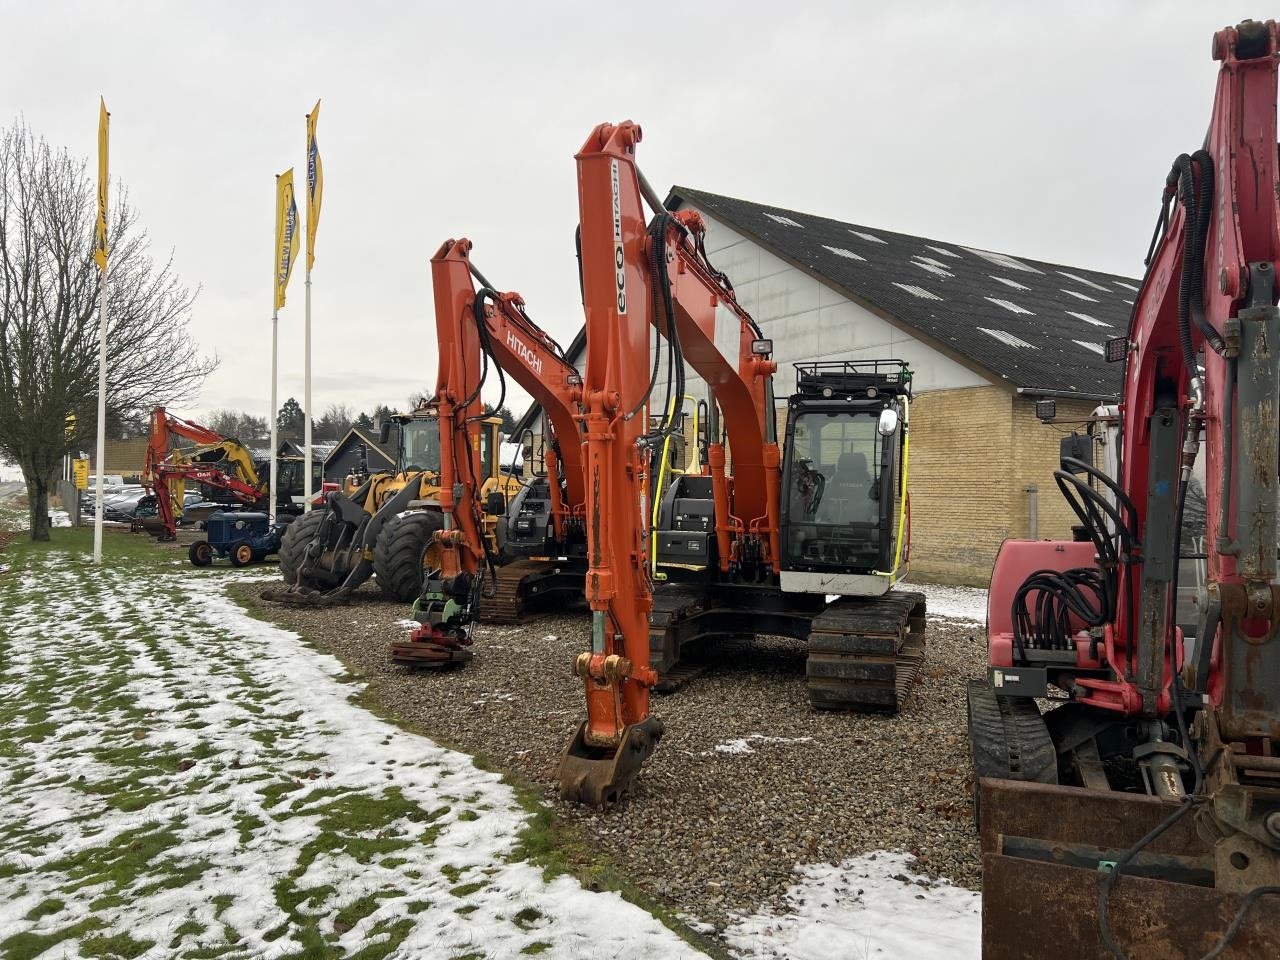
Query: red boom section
(158, 472)
(615, 384)
(716, 337)
(460, 410)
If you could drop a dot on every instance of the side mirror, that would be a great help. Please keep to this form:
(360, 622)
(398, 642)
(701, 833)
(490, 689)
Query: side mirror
(495, 504)
(384, 432)
(888, 422)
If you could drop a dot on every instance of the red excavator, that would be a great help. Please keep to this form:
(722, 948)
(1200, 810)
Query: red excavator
(476, 328)
(1139, 815)
(808, 545)
(210, 459)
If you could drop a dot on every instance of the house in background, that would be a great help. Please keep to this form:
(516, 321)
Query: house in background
(359, 449)
(986, 336)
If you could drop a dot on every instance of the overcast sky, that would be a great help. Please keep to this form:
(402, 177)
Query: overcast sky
(1041, 130)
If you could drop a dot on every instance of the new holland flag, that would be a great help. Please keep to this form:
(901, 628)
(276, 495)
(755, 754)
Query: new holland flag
(286, 233)
(315, 184)
(100, 232)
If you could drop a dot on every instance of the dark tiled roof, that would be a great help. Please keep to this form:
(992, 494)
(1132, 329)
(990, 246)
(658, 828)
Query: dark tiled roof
(1040, 326)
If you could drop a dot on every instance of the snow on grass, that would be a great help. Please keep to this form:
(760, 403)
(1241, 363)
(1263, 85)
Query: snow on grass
(954, 603)
(869, 906)
(179, 779)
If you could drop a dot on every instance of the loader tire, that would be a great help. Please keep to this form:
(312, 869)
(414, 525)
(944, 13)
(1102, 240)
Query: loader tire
(400, 555)
(296, 537)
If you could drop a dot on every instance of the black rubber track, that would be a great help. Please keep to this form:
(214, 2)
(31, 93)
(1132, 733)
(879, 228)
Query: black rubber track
(296, 537)
(1009, 738)
(397, 555)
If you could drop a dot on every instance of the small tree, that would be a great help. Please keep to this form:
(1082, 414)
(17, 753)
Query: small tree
(508, 419)
(291, 421)
(364, 422)
(49, 315)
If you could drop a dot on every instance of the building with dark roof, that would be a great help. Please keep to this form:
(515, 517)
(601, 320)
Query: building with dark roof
(360, 450)
(985, 334)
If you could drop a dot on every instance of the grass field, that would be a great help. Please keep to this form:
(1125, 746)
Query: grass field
(179, 779)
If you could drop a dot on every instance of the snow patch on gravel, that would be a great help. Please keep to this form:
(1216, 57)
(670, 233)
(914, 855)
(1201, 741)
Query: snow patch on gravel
(869, 906)
(954, 603)
(743, 744)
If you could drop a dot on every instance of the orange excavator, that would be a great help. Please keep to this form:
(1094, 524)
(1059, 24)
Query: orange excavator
(476, 328)
(808, 545)
(210, 459)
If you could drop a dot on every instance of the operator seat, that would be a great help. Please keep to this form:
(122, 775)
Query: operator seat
(848, 496)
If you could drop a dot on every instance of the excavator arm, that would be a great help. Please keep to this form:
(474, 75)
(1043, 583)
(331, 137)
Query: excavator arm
(167, 469)
(640, 274)
(1199, 721)
(473, 327)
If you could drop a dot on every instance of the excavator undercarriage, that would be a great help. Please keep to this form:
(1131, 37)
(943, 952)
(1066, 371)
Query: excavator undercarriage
(863, 654)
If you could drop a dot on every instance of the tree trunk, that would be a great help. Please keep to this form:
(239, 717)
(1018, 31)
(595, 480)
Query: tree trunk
(38, 505)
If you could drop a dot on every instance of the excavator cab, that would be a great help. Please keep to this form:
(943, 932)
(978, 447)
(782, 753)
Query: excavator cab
(843, 528)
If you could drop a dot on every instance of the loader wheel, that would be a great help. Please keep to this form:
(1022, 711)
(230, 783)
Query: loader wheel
(200, 554)
(295, 540)
(404, 552)
(242, 555)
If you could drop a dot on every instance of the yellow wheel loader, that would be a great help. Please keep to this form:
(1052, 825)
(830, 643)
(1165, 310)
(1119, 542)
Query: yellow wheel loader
(384, 527)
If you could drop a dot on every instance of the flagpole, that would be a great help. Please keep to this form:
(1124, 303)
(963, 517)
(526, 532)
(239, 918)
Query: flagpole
(102, 413)
(271, 491)
(306, 394)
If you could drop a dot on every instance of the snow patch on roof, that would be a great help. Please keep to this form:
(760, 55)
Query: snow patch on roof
(933, 266)
(842, 252)
(1088, 319)
(1127, 286)
(1078, 295)
(1002, 260)
(1009, 283)
(943, 250)
(1094, 347)
(785, 221)
(920, 292)
(866, 236)
(1088, 283)
(1008, 339)
(1009, 305)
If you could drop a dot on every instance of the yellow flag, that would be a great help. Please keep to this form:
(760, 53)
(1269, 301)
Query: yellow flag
(286, 233)
(315, 184)
(100, 235)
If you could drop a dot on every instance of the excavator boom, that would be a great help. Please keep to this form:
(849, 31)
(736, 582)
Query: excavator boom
(474, 327)
(211, 459)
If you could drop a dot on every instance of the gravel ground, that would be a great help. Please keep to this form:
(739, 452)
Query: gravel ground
(748, 781)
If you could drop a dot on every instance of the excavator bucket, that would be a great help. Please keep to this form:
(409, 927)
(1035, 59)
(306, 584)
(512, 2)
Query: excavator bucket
(602, 777)
(1046, 850)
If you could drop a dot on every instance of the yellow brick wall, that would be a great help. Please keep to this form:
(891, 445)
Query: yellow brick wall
(1037, 453)
(959, 478)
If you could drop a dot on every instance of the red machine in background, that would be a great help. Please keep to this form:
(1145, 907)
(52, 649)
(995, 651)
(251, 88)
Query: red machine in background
(210, 459)
(1149, 797)
(739, 555)
(475, 328)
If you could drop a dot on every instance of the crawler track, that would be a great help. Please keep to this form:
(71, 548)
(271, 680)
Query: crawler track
(864, 654)
(527, 587)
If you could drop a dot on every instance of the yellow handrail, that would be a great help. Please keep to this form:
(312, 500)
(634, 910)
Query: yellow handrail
(662, 471)
(902, 511)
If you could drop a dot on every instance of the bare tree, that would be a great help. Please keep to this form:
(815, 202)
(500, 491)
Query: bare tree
(335, 422)
(48, 314)
(238, 425)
